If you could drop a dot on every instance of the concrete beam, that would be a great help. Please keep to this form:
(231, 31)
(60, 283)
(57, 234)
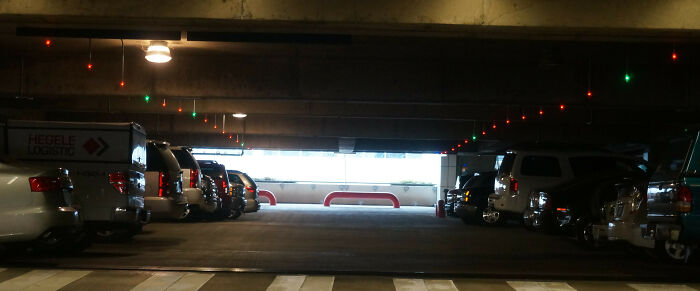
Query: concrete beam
(578, 17)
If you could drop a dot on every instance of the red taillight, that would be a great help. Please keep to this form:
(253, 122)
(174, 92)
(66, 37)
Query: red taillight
(513, 185)
(44, 184)
(250, 189)
(685, 199)
(224, 186)
(120, 181)
(163, 184)
(194, 178)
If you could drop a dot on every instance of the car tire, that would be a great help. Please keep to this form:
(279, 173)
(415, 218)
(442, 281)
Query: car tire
(674, 251)
(491, 216)
(584, 234)
(236, 214)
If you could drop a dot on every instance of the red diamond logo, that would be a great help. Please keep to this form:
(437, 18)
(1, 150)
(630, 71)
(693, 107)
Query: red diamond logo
(91, 146)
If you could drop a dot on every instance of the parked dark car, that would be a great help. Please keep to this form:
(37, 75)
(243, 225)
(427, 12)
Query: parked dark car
(576, 204)
(242, 180)
(473, 198)
(673, 214)
(232, 204)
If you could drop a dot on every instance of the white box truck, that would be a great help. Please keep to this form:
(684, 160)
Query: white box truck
(106, 161)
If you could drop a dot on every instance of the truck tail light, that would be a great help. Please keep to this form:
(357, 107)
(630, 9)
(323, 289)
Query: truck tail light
(685, 199)
(194, 178)
(44, 184)
(250, 189)
(163, 184)
(120, 181)
(224, 187)
(513, 185)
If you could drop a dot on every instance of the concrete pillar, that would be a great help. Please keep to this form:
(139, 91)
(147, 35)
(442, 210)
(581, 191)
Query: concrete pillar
(448, 174)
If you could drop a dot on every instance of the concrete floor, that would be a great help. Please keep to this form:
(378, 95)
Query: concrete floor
(354, 240)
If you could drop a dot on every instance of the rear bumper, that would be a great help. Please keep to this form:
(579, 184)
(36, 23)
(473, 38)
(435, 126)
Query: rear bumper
(165, 208)
(37, 222)
(194, 196)
(131, 216)
(466, 210)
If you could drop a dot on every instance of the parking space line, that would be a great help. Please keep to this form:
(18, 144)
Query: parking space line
(440, 285)
(665, 287)
(409, 285)
(539, 286)
(58, 281)
(318, 283)
(26, 280)
(190, 282)
(158, 281)
(286, 283)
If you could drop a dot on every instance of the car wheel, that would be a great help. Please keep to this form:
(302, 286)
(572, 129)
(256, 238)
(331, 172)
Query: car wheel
(674, 251)
(584, 234)
(491, 216)
(235, 214)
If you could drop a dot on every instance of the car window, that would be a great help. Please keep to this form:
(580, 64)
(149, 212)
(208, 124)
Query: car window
(587, 165)
(481, 180)
(672, 158)
(543, 166)
(154, 159)
(234, 179)
(507, 164)
(185, 159)
(249, 180)
(211, 170)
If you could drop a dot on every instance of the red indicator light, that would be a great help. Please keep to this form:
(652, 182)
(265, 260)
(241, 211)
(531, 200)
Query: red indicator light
(47, 43)
(453, 149)
(541, 112)
(89, 67)
(561, 107)
(507, 121)
(230, 136)
(523, 117)
(223, 132)
(206, 120)
(674, 56)
(493, 125)
(483, 132)
(163, 104)
(179, 109)
(122, 84)
(466, 141)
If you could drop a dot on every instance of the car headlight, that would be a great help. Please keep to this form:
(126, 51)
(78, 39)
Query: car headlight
(543, 198)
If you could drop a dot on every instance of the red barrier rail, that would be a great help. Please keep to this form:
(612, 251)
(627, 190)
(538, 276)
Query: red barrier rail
(361, 195)
(269, 195)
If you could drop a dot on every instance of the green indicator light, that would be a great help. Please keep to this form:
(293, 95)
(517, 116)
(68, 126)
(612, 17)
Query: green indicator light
(627, 78)
(473, 137)
(147, 98)
(242, 144)
(194, 114)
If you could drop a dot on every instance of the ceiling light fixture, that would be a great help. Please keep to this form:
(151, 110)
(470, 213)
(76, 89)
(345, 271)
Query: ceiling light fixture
(240, 115)
(158, 52)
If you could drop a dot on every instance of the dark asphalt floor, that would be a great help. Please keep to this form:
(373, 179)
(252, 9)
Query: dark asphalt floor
(313, 239)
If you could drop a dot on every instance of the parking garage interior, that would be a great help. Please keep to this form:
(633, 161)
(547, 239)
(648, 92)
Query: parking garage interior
(315, 97)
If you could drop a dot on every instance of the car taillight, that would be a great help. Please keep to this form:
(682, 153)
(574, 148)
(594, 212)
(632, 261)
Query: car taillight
(513, 185)
(685, 199)
(44, 184)
(224, 187)
(194, 178)
(163, 184)
(120, 181)
(466, 196)
(250, 189)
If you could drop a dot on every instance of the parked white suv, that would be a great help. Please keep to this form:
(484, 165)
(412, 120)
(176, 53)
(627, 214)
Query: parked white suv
(37, 207)
(522, 171)
(163, 196)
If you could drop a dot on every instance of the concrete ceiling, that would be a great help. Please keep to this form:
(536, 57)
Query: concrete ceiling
(398, 84)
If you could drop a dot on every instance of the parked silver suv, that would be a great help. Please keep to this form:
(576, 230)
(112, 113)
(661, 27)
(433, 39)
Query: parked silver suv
(164, 197)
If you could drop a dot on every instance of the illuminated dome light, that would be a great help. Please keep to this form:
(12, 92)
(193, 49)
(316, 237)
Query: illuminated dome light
(158, 52)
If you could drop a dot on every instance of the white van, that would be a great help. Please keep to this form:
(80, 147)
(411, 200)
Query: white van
(106, 161)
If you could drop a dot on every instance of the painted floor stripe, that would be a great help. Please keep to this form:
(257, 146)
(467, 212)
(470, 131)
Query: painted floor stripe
(409, 285)
(539, 286)
(190, 282)
(26, 280)
(440, 285)
(286, 283)
(58, 281)
(318, 283)
(665, 287)
(158, 281)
